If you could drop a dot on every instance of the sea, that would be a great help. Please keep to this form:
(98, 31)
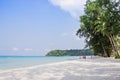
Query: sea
(11, 62)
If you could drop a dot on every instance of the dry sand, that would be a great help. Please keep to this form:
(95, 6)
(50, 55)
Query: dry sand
(89, 69)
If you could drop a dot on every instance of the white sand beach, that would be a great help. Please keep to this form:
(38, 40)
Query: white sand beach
(89, 69)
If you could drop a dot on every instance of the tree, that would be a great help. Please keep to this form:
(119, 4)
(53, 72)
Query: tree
(72, 52)
(101, 26)
(109, 19)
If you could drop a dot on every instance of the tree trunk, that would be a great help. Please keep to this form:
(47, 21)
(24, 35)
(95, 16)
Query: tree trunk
(108, 53)
(113, 45)
(104, 50)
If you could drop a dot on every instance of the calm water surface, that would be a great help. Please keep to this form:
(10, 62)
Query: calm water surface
(9, 62)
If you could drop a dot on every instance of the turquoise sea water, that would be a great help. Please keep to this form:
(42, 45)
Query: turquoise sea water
(10, 62)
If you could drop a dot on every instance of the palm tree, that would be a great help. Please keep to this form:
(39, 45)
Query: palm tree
(101, 21)
(109, 19)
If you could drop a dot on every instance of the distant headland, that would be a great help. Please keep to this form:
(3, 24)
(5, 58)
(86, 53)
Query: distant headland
(72, 52)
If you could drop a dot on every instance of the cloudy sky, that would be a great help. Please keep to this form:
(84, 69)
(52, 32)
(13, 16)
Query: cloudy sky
(34, 27)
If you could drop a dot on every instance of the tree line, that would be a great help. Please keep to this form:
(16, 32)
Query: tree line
(71, 52)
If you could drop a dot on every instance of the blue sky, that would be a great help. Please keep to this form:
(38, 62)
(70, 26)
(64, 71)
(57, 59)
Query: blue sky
(34, 27)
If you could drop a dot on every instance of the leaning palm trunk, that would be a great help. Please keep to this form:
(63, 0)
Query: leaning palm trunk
(112, 41)
(115, 45)
(118, 45)
(103, 48)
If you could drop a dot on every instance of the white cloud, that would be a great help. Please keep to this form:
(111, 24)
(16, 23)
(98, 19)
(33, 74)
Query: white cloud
(72, 35)
(28, 49)
(15, 49)
(74, 7)
(64, 34)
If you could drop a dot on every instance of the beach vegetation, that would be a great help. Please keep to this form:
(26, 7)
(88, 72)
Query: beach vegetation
(100, 25)
(117, 57)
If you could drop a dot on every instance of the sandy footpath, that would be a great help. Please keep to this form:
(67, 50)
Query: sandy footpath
(90, 69)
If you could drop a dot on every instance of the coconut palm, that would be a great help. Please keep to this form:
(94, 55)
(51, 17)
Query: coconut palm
(101, 22)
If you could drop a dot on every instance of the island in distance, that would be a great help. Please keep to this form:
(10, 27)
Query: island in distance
(72, 52)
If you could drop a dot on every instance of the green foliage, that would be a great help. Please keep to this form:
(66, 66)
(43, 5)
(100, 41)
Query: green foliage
(56, 53)
(101, 26)
(69, 52)
(117, 57)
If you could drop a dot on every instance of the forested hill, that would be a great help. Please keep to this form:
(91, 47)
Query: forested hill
(74, 52)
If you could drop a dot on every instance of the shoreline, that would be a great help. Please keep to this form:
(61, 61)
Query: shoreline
(81, 69)
(51, 63)
(32, 67)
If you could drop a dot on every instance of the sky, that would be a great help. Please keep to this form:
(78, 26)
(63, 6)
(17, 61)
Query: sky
(35, 27)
